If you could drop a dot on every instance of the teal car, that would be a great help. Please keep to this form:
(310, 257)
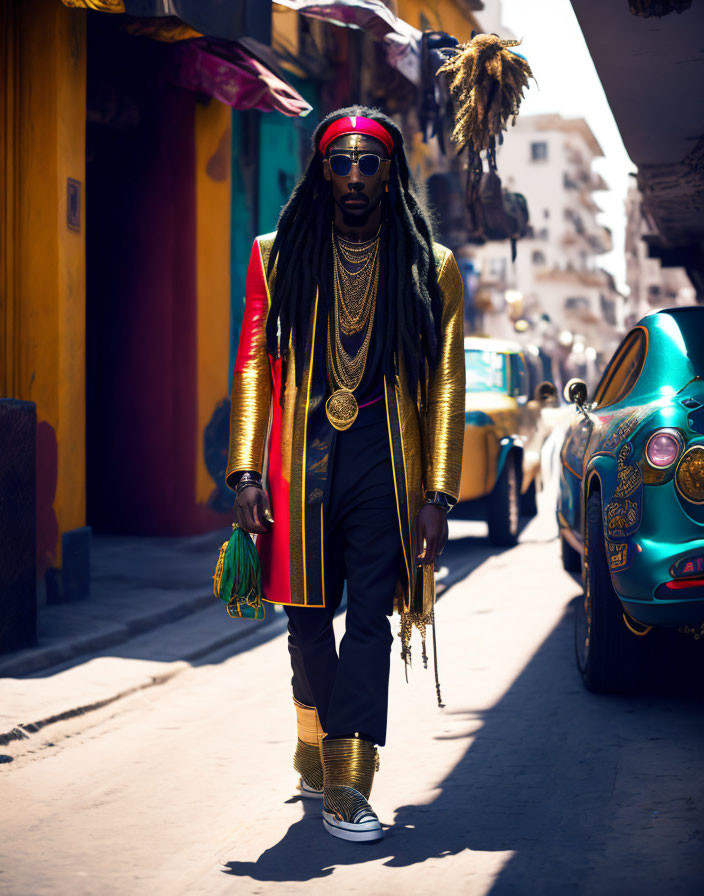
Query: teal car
(631, 497)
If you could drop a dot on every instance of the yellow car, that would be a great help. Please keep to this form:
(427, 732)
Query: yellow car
(503, 434)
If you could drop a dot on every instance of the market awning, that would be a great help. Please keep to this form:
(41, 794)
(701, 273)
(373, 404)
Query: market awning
(226, 19)
(228, 73)
(401, 41)
(242, 74)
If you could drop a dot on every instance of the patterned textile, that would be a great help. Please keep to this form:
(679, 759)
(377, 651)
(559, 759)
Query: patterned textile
(234, 77)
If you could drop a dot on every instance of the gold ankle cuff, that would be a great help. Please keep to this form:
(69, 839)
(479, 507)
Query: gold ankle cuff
(310, 731)
(350, 762)
(308, 760)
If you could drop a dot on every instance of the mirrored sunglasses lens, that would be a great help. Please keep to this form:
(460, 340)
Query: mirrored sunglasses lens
(341, 165)
(369, 165)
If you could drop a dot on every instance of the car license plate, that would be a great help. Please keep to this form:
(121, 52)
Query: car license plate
(688, 566)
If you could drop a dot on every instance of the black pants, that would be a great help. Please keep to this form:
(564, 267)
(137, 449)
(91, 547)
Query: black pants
(363, 548)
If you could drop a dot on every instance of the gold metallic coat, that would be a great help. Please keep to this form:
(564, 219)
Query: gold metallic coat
(425, 442)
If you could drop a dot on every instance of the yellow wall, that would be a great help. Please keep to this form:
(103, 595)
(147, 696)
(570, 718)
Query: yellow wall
(43, 305)
(213, 153)
(439, 15)
(284, 37)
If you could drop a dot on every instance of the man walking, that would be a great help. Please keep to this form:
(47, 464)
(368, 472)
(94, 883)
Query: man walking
(346, 438)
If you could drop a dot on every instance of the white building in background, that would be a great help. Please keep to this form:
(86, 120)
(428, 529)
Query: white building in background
(555, 290)
(489, 16)
(650, 285)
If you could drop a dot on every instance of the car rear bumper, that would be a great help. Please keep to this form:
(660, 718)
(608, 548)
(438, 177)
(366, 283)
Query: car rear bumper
(665, 613)
(643, 591)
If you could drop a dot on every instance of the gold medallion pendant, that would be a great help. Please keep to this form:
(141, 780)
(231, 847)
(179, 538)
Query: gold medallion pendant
(354, 305)
(341, 409)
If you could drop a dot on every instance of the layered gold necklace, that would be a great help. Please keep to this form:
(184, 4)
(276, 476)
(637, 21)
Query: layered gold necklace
(354, 306)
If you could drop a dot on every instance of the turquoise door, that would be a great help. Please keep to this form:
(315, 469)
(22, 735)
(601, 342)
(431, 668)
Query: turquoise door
(269, 152)
(284, 150)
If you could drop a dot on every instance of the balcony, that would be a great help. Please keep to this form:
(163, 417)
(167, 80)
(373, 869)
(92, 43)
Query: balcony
(600, 240)
(586, 200)
(569, 273)
(575, 156)
(597, 183)
(578, 309)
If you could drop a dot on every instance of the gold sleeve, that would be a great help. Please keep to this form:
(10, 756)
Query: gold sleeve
(251, 382)
(446, 391)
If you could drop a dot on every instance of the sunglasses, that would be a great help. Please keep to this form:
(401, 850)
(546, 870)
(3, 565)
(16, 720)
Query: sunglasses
(368, 164)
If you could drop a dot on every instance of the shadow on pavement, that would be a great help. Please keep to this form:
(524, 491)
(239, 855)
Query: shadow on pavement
(152, 600)
(599, 795)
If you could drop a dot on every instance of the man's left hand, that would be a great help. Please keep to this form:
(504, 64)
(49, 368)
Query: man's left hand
(431, 533)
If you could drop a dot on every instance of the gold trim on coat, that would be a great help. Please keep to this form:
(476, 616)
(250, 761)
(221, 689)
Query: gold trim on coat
(431, 437)
(304, 453)
(398, 503)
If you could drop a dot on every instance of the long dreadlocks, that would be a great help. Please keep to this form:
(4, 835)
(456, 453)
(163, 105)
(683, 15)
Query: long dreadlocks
(302, 253)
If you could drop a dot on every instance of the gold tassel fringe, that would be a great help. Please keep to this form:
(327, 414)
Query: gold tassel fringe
(421, 621)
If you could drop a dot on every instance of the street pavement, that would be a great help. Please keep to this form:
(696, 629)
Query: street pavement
(523, 784)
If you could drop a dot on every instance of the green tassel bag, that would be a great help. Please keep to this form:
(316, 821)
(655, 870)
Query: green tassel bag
(238, 577)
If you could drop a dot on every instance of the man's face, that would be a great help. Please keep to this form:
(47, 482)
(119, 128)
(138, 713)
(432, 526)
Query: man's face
(355, 193)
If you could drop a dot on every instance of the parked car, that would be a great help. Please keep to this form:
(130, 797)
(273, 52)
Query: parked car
(631, 497)
(503, 436)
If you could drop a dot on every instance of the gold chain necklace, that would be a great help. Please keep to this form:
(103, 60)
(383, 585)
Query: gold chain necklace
(353, 251)
(356, 308)
(345, 371)
(355, 288)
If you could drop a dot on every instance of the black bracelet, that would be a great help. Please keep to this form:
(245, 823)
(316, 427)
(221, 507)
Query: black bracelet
(440, 499)
(246, 480)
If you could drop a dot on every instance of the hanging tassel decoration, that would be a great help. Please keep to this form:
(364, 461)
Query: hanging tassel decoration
(486, 81)
(238, 577)
(421, 621)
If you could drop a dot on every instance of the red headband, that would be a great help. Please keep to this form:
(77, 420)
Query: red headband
(355, 124)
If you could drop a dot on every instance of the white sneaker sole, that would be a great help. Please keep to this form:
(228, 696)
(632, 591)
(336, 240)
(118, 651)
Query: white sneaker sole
(365, 832)
(307, 792)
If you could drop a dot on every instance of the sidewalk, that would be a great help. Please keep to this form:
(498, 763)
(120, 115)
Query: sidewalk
(150, 615)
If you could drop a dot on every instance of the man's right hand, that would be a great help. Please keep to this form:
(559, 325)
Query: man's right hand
(251, 509)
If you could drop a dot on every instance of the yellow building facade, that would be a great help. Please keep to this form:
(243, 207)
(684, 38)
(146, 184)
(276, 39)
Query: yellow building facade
(43, 261)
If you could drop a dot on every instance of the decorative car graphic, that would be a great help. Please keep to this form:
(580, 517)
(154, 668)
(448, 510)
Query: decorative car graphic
(631, 497)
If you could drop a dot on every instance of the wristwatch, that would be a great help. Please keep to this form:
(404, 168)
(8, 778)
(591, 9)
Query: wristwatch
(440, 499)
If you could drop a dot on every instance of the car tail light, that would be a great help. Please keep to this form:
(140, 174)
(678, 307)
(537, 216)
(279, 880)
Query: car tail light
(681, 584)
(663, 448)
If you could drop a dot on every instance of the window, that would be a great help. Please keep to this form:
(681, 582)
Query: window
(534, 365)
(623, 370)
(538, 257)
(486, 371)
(608, 309)
(577, 303)
(519, 378)
(539, 151)
(497, 269)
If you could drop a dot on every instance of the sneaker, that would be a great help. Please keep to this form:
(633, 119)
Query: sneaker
(307, 791)
(347, 815)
